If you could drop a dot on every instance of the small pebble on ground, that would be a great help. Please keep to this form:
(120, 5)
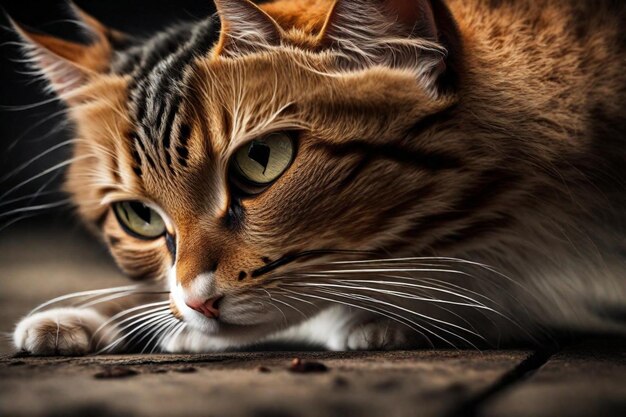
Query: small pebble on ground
(304, 367)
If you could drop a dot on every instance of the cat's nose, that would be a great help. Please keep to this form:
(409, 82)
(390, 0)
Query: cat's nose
(208, 308)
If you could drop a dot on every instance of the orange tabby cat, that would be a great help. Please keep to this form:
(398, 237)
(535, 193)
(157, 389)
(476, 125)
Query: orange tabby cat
(359, 174)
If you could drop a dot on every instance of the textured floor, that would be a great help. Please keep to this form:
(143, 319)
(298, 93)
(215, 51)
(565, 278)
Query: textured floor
(581, 380)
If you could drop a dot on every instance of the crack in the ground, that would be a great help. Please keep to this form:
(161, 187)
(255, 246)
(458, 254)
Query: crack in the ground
(473, 406)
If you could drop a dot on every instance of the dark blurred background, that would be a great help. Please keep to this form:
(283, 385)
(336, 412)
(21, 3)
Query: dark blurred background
(46, 253)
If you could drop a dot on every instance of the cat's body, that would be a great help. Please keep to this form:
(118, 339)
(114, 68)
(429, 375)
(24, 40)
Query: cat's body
(418, 167)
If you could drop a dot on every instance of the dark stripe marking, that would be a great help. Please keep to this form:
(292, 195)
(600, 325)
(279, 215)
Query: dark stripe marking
(184, 133)
(182, 152)
(431, 160)
(293, 256)
(170, 121)
(488, 187)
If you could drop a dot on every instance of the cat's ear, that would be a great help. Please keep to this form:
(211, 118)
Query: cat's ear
(411, 34)
(245, 28)
(68, 65)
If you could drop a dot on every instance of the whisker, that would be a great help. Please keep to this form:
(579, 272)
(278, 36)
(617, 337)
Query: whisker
(424, 317)
(157, 332)
(172, 334)
(390, 315)
(372, 302)
(27, 197)
(140, 324)
(81, 294)
(17, 219)
(43, 173)
(34, 159)
(36, 208)
(148, 330)
(158, 305)
(289, 305)
(386, 270)
(299, 299)
(59, 125)
(389, 292)
(170, 327)
(112, 297)
(270, 300)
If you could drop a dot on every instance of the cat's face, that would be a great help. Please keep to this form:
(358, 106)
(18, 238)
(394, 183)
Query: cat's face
(231, 167)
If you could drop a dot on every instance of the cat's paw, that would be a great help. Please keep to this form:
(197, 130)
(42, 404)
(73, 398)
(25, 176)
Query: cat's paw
(62, 331)
(377, 335)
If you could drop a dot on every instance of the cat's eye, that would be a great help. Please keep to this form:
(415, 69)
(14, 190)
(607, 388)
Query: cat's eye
(139, 220)
(261, 161)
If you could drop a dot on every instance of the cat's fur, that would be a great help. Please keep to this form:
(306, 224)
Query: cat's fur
(471, 132)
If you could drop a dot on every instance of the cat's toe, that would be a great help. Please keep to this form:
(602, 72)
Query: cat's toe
(65, 332)
(378, 335)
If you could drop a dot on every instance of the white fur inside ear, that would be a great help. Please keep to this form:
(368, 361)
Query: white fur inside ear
(62, 76)
(245, 27)
(365, 35)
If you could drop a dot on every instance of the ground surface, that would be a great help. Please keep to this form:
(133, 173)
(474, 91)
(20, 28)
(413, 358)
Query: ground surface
(580, 380)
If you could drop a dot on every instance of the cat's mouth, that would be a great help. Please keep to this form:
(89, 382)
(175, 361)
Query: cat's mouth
(227, 315)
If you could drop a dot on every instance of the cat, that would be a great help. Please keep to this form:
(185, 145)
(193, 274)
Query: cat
(351, 174)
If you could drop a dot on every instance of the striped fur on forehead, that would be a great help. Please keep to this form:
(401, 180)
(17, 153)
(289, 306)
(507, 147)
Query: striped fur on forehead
(157, 92)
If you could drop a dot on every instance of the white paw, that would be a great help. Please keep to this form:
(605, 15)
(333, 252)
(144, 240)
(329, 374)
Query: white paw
(62, 331)
(378, 335)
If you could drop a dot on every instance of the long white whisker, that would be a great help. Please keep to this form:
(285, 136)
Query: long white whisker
(140, 324)
(103, 299)
(390, 315)
(292, 307)
(270, 299)
(41, 174)
(34, 159)
(82, 294)
(157, 332)
(175, 330)
(159, 305)
(28, 197)
(426, 318)
(147, 331)
(36, 208)
(389, 292)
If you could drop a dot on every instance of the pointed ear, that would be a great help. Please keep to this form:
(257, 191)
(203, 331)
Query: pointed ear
(97, 31)
(68, 65)
(395, 33)
(245, 28)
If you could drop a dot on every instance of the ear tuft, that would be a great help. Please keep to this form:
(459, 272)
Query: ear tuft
(400, 34)
(245, 28)
(96, 30)
(53, 59)
(67, 65)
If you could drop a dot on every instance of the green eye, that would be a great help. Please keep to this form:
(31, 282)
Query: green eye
(139, 220)
(262, 161)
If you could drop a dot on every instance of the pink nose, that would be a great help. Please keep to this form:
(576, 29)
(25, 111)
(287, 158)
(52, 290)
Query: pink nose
(208, 308)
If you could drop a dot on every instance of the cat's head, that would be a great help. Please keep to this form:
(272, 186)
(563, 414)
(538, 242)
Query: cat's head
(235, 162)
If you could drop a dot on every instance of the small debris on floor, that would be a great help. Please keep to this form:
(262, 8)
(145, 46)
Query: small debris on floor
(263, 369)
(115, 372)
(159, 371)
(304, 367)
(186, 370)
